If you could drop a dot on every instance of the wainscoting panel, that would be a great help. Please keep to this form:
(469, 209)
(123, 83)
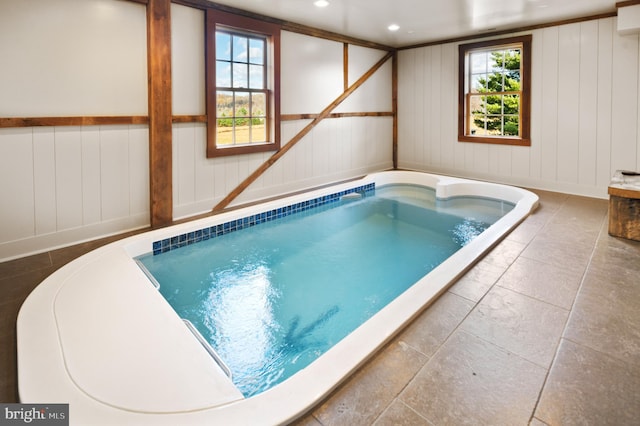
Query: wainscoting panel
(585, 116)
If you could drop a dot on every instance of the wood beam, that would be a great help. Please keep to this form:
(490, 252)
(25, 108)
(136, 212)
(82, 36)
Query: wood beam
(297, 138)
(511, 31)
(394, 106)
(190, 119)
(345, 66)
(627, 3)
(305, 116)
(160, 128)
(71, 121)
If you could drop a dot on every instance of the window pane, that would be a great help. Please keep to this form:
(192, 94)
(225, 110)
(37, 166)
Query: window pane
(492, 104)
(478, 62)
(223, 46)
(223, 74)
(477, 125)
(242, 134)
(258, 130)
(240, 75)
(476, 105)
(495, 82)
(224, 104)
(515, 76)
(256, 76)
(512, 59)
(478, 83)
(493, 124)
(256, 51)
(224, 132)
(511, 125)
(497, 61)
(259, 105)
(511, 104)
(240, 49)
(242, 105)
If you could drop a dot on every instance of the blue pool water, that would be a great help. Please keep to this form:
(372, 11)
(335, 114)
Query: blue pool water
(272, 298)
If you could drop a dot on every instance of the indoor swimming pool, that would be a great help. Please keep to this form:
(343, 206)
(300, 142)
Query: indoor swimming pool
(271, 298)
(99, 335)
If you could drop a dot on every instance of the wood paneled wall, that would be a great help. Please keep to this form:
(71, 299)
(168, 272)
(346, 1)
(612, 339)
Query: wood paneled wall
(585, 116)
(80, 170)
(354, 141)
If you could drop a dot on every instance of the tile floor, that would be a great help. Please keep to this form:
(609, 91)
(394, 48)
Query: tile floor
(544, 330)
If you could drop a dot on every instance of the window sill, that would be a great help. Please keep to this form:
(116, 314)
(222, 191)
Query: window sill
(243, 149)
(495, 140)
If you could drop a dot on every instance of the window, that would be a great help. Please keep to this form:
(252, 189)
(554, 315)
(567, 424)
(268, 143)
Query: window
(494, 91)
(243, 82)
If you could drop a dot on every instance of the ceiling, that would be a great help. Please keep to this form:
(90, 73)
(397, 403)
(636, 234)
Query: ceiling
(421, 21)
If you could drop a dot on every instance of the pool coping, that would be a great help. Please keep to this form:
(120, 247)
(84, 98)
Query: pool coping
(48, 374)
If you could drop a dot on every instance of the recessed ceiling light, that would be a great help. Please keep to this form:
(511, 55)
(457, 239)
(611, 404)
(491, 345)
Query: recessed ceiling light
(321, 3)
(393, 27)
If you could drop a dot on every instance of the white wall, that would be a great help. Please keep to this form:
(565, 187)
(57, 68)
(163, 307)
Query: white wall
(72, 57)
(61, 185)
(585, 116)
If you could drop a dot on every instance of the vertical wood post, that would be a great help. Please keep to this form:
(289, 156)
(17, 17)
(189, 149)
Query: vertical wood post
(394, 103)
(345, 66)
(160, 128)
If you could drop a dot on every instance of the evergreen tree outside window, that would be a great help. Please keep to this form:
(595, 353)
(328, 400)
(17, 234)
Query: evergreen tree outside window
(494, 91)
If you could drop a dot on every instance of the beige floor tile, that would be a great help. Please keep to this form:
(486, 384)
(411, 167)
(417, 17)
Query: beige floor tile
(398, 414)
(470, 289)
(537, 422)
(551, 284)
(576, 217)
(589, 215)
(477, 281)
(366, 394)
(586, 387)
(570, 233)
(308, 420)
(472, 382)
(614, 253)
(606, 315)
(550, 200)
(427, 333)
(585, 205)
(504, 253)
(569, 255)
(519, 324)
(525, 232)
(540, 217)
(609, 241)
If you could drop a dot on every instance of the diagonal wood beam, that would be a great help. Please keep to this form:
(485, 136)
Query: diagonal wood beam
(297, 138)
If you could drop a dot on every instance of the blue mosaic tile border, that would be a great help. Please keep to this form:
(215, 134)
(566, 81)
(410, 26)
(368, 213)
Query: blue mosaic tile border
(182, 240)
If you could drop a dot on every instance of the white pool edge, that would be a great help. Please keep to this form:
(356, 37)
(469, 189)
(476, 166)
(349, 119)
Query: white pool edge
(43, 373)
